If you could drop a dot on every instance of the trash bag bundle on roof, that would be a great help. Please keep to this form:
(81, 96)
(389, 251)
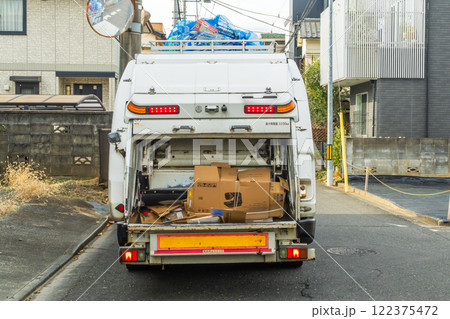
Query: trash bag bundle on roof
(217, 28)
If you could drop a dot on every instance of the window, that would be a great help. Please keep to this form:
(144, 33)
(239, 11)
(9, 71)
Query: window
(360, 116)
(27, 87)
(13, 16)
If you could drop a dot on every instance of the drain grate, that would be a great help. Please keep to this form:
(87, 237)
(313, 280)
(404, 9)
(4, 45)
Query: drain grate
(346, 251)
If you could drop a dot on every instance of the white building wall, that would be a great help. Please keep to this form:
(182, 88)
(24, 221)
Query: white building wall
(375, 39)
(58, 38)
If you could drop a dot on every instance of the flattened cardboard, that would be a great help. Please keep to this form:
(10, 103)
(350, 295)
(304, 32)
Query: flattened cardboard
(176, 216)
(234, 216)
(257, 215)
(277, 197)
(149, 218)
(161, 210)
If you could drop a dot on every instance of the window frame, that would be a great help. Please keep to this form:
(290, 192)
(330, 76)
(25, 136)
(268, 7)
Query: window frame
(19, 85)
(24, 26)
(362, 122)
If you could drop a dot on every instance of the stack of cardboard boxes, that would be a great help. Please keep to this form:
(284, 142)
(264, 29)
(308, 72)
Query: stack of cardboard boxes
(222, 192)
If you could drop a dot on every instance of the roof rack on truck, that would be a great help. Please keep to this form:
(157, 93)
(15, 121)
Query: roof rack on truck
(213, 46)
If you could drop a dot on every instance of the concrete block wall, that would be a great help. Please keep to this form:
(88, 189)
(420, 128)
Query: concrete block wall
(64, 143)
(401, 108)
(427, 157)
(438, 68)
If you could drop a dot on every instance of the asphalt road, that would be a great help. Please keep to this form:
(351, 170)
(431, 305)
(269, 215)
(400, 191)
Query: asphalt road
(385, 257)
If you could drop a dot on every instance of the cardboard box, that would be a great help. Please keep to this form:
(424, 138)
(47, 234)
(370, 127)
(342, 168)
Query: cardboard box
(205, 192)
(221, 187)
(255, 188)
(277, 197)
(214, 187)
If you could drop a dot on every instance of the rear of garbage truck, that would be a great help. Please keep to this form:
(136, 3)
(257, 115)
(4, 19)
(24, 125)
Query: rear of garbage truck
(212, 159)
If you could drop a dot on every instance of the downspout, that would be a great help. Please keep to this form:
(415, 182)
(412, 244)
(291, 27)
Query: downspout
(427, 33)
(374, 93)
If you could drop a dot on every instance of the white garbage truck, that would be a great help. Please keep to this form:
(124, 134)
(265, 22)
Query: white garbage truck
(192, 115)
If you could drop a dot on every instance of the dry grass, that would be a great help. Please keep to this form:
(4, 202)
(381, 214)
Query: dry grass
(27, 181)
(24, 182)
(88, 190)
(7, 206)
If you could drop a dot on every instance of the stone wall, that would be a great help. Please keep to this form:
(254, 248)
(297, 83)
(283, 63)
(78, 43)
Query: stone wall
(64, 143)
(427, 157)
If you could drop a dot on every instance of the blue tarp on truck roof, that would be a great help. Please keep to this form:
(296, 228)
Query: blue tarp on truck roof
(217, 28)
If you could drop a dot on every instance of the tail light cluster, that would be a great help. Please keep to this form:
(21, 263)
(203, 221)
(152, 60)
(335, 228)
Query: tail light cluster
(154, 110)
(293, 253)
(269, 108)
(175, 109)
(133, 255)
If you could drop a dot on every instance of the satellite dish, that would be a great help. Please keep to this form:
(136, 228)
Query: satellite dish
(110, 18)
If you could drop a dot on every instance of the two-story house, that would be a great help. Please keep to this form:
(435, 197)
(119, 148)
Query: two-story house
(395, 57)
(308, 40)
(48, 47)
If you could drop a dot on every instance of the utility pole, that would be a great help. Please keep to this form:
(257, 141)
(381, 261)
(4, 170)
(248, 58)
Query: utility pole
(176, 12)
(130, 41)
(330, 105)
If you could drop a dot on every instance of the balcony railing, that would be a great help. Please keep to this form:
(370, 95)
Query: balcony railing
(375, 39)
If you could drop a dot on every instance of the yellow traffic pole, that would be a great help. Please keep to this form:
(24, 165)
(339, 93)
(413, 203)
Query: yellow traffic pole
(344, 150)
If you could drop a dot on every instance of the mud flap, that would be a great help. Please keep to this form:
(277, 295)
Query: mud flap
(306, 229)
(122, 233)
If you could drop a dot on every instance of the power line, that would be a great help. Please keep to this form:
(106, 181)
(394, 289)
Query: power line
(262, 21)
(239, 27)
(260, 13)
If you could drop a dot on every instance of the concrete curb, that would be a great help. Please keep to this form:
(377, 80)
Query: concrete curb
(58, 264)
(388, 204)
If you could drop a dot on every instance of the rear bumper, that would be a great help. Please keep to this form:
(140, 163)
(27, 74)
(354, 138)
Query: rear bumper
(211, 251)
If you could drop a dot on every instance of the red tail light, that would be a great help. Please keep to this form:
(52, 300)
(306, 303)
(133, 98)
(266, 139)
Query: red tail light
(269, 108)
(259, 109)
(120, 208)
(297, 253)
(129, 255)
(173, 109)
(163, 109)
